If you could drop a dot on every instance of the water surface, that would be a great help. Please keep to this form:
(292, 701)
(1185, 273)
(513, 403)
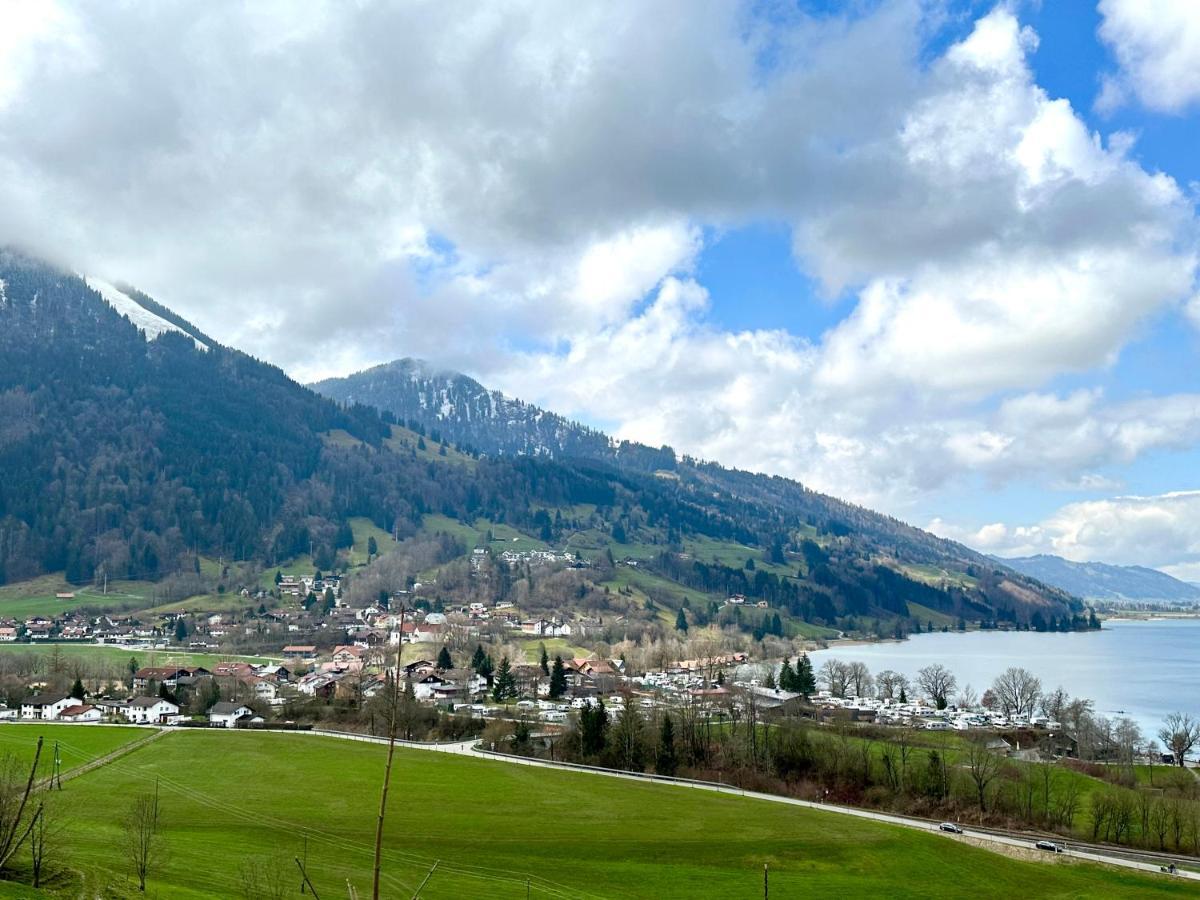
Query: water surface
(1145, 668)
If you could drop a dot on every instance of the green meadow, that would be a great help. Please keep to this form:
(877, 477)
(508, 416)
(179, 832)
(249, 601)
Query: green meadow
(231, 802)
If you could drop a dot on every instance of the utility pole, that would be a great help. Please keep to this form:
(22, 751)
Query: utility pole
(304, 875)
(304, 880)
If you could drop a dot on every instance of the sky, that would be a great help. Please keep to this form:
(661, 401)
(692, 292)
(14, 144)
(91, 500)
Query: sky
(937, 257)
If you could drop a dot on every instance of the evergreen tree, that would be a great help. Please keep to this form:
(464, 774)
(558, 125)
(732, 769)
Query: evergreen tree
(558, 679)
(681, 622)
(787, 677)
(806, 681)
(505, 687)
(487, 667)
(181, 631)
(372, 548)
(444, 661)
(769, 682)
(477, 659)
(628, 738)
(903, 694)
(667, 762)
(545, 661)
(132, 666)
(77, 690)
(593, 728)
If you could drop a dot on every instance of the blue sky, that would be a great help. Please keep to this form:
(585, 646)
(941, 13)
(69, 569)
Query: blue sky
(937, 257)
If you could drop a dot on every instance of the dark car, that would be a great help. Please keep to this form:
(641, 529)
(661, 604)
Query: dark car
(1049, 845)
(950, 827)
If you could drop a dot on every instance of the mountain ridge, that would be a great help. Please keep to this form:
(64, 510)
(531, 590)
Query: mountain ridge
(1104, 581)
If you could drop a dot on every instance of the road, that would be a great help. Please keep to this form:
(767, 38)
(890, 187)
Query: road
(1075, 850)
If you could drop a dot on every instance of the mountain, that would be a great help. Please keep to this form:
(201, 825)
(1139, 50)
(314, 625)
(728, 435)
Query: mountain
(1099, 581)
(132, 445)
(473, 417)
(869, 548)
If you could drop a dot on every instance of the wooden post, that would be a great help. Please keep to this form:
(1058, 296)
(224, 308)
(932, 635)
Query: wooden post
(765, 889)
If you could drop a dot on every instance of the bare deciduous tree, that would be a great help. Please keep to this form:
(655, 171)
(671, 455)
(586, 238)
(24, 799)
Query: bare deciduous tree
(44, 837)
(835, 676)
(859, 680)
(266, 877)
(1017, 691)
(983, 766)
(17, 814)
(891, 684)
(1179, 735)
(937, 682)
(142, 840)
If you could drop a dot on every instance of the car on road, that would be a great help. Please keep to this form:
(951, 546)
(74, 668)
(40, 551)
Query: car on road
(950, 827)
(1049, 845)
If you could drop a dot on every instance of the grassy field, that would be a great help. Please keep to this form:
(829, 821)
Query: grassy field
(117, 656)
(504, 537)
(36, 597)
(364, 530)
(78, 744)
(587, 836)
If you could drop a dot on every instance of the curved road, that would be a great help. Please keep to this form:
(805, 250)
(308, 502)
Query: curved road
(468, 748)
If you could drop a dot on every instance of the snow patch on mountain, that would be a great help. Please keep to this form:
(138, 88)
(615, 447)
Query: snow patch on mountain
(153, 325)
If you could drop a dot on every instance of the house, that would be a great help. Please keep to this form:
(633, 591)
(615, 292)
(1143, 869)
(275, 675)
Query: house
(300, 653)
(149, 710)
(263, 688)
(226, 715)
(426, 632)
(8, 634)
(45, 706)
(171, 676)
(319, 684)
(82, 712)
(348, 658)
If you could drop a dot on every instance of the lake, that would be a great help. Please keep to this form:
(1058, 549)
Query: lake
(1148, 668)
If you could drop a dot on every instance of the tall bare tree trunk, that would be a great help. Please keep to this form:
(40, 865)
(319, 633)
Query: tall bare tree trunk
(393, 715)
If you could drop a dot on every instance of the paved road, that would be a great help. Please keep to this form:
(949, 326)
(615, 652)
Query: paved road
(468, 748)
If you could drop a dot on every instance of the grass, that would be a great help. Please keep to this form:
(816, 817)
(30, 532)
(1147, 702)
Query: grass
(555, 646)
(36, 597)
(78, 744)
(118, 656)
(504, 537)
(364, 530)
(403, 440)
(589, 836)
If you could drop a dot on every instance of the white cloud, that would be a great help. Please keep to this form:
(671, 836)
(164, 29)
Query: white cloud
(1160, 531)
(522, 193)
(1157, 44)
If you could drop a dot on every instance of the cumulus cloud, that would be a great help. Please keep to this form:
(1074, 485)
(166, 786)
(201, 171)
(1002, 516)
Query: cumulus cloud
(1157, 45)
(1161, 531)
(523, 192)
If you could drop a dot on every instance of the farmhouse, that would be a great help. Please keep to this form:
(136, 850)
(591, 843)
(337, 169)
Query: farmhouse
(226, 715)
(83, 712)
(149, 710)
(45, 706)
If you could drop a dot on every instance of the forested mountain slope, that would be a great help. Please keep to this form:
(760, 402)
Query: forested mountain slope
(454, 407)
(127, 457)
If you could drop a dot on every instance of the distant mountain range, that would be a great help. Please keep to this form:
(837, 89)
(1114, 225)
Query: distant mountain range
(132, 444)
(1099, 581)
